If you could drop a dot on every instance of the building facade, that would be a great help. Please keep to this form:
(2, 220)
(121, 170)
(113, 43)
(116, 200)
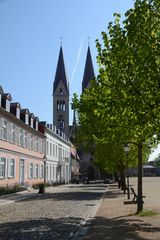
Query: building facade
(21, 145)
(57, 157)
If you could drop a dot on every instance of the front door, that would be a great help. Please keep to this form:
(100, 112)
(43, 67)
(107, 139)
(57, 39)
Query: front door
(21, 172)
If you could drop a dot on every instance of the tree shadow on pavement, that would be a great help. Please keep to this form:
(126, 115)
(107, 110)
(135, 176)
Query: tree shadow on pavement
(66, 196)
(114, 194)
(40, 229)
(120, 229)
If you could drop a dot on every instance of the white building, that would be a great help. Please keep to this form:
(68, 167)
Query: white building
(57, 164)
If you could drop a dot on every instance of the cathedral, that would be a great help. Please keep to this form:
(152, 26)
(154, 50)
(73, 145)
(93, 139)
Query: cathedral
(61, 106)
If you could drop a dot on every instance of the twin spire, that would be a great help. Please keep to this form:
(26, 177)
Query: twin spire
(62, 76)
(61, 91)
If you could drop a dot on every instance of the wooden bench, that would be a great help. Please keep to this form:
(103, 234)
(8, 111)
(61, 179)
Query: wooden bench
(135, 196)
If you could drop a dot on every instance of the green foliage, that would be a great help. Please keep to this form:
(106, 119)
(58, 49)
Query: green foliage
(123, 103)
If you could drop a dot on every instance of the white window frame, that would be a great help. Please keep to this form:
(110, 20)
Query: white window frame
(31, 170)
(41, 171)
(36, 170)
(11, 168)
(3, 167)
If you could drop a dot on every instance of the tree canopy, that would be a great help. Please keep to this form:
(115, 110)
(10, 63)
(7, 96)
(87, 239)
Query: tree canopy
(123, 103)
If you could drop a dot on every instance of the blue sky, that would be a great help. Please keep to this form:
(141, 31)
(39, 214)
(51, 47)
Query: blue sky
(30, 33)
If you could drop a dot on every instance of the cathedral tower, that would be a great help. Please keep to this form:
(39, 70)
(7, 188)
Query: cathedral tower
(61, 97)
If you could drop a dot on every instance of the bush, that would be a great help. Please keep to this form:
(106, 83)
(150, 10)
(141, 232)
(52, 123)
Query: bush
(11, 189)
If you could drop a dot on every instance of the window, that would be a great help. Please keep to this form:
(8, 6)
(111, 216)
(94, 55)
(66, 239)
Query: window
(21, 137)
(47, 149)
(50, 149)
(56, 150)
(41, 171)
(58, 106)
(30, 170)
(61, 124)
(61, 91)
(13, 133)
(18, 112)
(31, 142)
(11, 168)
(25, 139)
(47, 172)
(2, 167)
(61, 105)
(26, 119)
(36, 171)
(7, 105)
(4, 129)
(53, 149)
(18, 136)
(50, 172)
(41, 146)
(64, 106)
(36, 144)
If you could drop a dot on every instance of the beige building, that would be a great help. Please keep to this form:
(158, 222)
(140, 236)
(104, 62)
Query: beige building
(21, 144)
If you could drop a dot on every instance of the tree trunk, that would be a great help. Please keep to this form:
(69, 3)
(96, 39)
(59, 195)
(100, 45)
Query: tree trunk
(123, 180)
(139, 199)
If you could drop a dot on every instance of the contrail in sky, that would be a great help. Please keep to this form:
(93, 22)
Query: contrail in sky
(77, 59)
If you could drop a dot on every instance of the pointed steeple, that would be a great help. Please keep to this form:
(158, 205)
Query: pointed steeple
(88, 71)
(60, 72)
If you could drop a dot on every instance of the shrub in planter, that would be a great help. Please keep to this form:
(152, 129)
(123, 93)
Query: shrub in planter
(41, 188)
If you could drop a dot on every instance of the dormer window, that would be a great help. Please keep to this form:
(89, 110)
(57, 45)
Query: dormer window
(15, 109)
(61, 91)
(18, 112)
(24, 115)
(6, 100)
(36, 120)
(7, 105)
(26, 119)
(31, 120)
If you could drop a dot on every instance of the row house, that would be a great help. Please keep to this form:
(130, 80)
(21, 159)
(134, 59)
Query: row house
(22, 145)
(57, 156)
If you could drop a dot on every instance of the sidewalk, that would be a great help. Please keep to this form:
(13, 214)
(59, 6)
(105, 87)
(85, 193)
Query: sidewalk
(116, 221)
(14, 197)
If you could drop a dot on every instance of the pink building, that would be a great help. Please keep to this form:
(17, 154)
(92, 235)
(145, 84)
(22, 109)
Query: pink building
(21, 144)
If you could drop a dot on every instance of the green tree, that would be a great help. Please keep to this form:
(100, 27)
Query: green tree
(124, 102)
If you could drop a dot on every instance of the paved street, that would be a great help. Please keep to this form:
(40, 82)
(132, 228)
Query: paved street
(58, 214)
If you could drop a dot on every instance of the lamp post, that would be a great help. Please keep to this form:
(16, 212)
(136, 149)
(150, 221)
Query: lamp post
(127, 149)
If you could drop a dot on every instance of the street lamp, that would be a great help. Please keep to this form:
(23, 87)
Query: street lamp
(127, 149)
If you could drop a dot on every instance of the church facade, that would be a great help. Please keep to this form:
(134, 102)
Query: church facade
(61, 108)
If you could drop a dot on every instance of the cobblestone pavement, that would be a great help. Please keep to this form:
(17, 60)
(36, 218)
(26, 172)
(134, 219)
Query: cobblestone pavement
(58, 214)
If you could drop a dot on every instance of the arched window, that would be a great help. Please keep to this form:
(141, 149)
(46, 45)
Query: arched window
(61, 91)
(61, 124)
(58, 106)
(61, 106)
(64, 106)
